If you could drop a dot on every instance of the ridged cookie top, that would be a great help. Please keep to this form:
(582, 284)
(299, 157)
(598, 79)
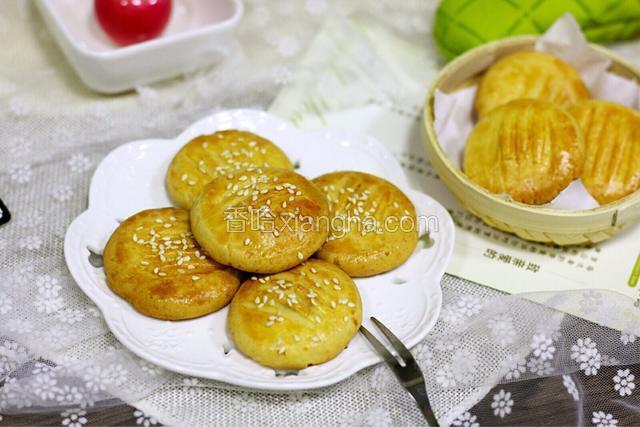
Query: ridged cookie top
(153, 261)
(528, 149)
(261, 220)
(374, 226)
(532, 75)
(612, 155)
(209, 156)
(296, 318)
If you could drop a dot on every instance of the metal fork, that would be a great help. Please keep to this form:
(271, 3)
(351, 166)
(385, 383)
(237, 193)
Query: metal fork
(404, 367)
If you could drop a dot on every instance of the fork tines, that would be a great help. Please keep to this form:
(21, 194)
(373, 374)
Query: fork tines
(404, 367)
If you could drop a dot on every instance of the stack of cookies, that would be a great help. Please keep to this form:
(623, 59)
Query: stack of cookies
(280, 248)
(538, 131)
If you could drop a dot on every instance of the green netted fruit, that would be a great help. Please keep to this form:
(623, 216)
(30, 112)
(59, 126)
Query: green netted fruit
(463, 24)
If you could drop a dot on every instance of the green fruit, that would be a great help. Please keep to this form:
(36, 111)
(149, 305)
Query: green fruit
(463, 24)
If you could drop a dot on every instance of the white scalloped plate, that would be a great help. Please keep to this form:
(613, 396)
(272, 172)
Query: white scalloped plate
(131, 178)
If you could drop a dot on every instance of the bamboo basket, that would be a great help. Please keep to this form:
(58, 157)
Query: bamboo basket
(529, 222)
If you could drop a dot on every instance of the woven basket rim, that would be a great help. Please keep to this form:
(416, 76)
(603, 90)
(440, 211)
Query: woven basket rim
(429, 125)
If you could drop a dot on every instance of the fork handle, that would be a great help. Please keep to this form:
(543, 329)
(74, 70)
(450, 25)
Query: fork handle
(428, 415)
(419, 394)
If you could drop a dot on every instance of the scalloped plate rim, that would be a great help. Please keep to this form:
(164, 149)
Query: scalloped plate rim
(111, 305)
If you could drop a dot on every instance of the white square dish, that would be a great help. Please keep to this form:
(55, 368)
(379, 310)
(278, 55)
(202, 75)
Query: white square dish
(131, 178)
(197, 33)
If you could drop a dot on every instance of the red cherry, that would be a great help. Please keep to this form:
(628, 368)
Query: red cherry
(132, 21)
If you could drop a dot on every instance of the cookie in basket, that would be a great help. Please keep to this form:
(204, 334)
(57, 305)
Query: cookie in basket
(154, 263)
(297, 318)
(373, 223)
(530, 150)
(262, 220)
(612, 149)
(528, 74)
(208, 156)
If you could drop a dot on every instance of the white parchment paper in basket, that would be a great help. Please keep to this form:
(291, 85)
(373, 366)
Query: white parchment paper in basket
(454, 111)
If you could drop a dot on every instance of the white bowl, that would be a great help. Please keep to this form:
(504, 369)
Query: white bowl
(198, 33)
(131, 178)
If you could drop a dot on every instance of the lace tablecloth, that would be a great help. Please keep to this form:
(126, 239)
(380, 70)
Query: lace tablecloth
(55, 350)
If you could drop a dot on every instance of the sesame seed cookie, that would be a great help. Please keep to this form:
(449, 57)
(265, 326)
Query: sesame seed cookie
(154, 263)
(373, 223)
(301, 317)
(204, 158)
(261, 220)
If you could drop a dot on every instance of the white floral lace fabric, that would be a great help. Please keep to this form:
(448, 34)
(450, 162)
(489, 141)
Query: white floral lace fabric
(56, 351)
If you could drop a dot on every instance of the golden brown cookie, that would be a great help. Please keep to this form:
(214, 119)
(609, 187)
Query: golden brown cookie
(301, 317)
(260, 219)
(528, 149)
(533, 75)
(374, 226)
(153, 262)
(612, 153)
(208, 156)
